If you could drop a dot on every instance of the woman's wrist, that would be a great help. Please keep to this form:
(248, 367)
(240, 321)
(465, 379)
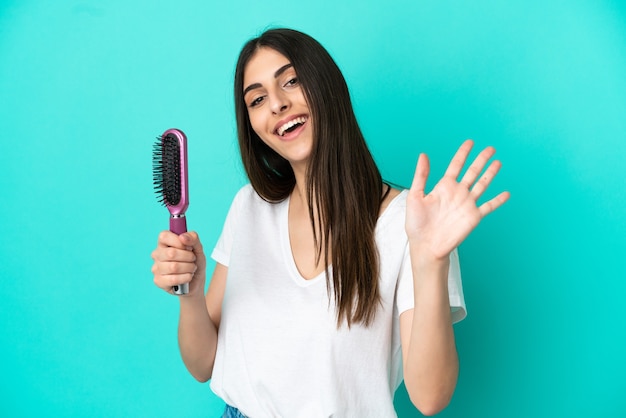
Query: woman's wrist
(423, 253)
(192, 301)
(427, 266)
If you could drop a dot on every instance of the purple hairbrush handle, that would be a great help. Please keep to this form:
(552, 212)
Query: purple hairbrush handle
(178, 225)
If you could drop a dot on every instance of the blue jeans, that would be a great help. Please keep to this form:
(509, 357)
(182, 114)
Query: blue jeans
(232, 412)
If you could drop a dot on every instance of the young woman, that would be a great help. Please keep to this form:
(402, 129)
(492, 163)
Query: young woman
(330, 286)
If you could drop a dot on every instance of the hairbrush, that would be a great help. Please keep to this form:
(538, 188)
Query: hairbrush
(169, 169)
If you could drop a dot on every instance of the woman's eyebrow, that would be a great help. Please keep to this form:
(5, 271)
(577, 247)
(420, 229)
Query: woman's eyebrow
(282, 70)
(276, 75)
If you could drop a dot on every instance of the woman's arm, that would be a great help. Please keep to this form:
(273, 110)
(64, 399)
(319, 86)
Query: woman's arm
(436, 224)
(198, 325)
(430, 358)
(181, 259)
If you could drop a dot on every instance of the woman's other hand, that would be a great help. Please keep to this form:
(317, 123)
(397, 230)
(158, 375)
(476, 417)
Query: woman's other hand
(439, 221)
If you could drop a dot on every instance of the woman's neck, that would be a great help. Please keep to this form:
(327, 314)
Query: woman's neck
(299, 190)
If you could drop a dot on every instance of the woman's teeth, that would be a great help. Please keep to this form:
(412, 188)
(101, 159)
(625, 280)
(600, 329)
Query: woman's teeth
(293, 122)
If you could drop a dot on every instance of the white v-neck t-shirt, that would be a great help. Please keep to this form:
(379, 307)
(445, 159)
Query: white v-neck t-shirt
(279, 351)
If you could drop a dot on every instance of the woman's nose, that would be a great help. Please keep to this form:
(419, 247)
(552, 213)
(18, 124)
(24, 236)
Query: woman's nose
(279, 103)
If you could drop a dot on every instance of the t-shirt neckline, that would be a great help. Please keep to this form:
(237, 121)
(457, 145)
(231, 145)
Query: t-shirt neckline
(286, 242)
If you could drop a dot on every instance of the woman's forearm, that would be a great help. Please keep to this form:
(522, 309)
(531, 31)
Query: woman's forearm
(432, 365)
(197, 337)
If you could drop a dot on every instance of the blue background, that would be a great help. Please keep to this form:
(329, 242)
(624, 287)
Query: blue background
(86, 86)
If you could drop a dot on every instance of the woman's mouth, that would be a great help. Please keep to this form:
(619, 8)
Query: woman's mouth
(291, 125)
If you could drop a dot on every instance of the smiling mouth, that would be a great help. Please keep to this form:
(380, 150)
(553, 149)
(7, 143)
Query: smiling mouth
(291, 126)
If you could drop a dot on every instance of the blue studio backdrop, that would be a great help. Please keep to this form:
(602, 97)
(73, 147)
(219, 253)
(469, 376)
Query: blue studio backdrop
(86, 86)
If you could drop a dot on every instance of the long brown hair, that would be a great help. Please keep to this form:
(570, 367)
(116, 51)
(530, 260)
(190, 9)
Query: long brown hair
(343, 182)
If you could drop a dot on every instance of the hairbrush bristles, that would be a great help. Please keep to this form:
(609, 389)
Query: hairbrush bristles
(166, 170)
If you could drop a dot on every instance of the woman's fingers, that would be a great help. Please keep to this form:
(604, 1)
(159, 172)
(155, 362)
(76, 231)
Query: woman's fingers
(477, 167)
(173, 254)
(421, 175)
(470, 179)
(166, 282)
(170, 273)
(170, 239)
(176, 259)
(481, 185)
(192, 242)
(173, 267)
(459, 159)
(493, 204)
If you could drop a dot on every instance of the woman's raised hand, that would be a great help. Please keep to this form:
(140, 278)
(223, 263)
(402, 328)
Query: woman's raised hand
(179, 259)
(439, 221)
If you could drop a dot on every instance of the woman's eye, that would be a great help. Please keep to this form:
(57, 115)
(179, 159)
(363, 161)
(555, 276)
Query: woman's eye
(292, 82)
(256, 101)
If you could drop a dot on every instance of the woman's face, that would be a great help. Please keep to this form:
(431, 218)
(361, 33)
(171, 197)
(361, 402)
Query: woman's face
(278, 111)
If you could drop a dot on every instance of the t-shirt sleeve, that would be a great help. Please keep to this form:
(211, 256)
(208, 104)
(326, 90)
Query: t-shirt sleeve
(221, 252)
(404, 291)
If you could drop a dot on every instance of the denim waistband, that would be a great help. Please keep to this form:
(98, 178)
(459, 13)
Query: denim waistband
(232, 412)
